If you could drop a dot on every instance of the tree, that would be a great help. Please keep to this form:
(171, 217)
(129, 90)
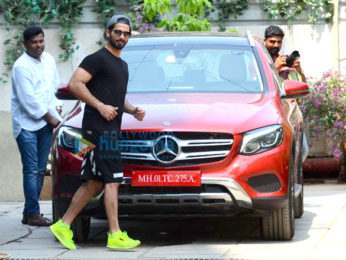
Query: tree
(188, 18)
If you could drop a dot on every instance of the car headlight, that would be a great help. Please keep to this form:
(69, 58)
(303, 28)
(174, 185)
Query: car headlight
(261, 140)
(70, 139)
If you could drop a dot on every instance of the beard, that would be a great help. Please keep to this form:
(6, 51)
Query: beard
(274, 51)
(117, 44)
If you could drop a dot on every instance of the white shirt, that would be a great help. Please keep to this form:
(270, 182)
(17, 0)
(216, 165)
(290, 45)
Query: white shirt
(33, 92)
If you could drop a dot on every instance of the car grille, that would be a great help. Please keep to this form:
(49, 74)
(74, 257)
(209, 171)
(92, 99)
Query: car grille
(174, 148)
(206, 194)
(204, 188)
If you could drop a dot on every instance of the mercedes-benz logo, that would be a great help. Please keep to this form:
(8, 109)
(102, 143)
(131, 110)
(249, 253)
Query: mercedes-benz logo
(166, 149)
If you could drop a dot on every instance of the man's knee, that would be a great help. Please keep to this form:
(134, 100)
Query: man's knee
(113, 185)
(30, 170)
(94, 185)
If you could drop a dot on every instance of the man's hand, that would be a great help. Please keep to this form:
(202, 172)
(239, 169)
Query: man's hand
(139, 114)
(280, 61)
(108, 112)
(297, 66)
(51, 120)
(54, 122)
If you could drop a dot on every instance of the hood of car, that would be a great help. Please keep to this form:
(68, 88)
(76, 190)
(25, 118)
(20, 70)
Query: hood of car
(202, 112)
(198, 112)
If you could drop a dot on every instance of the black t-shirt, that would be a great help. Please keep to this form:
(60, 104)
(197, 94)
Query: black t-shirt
(109, 85)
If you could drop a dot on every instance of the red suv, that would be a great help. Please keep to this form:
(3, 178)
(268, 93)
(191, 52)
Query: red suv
(222, 135)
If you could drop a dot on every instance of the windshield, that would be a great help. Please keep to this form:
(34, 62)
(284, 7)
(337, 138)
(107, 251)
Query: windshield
(192, 68)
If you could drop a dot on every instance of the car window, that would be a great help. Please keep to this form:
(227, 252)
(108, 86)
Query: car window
(192, 68)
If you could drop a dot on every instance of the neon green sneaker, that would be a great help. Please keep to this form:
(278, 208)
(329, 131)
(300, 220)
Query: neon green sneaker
(64, 234)
(120, 240)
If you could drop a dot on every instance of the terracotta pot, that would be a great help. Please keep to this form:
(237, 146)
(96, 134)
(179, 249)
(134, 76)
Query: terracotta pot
(321, 168)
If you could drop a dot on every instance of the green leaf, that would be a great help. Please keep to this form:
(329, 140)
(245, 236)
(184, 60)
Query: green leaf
(7, 41)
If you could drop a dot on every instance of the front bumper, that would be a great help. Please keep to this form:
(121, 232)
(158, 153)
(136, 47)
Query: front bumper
(217, 196)
(229, 193)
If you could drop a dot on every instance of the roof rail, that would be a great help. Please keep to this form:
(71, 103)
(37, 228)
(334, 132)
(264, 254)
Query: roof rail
(250, 38)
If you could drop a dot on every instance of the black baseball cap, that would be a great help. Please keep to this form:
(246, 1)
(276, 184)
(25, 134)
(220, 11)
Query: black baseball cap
(119, 19)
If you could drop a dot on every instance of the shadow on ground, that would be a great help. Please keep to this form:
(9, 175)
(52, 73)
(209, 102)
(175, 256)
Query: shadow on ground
(168, 232)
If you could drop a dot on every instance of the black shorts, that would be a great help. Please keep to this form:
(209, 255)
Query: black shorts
(103, 163)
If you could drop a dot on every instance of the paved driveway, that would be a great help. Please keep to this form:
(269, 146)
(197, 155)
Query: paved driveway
(320, 234)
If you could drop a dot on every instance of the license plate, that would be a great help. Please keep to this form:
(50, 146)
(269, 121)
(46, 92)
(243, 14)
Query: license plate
(166, 178)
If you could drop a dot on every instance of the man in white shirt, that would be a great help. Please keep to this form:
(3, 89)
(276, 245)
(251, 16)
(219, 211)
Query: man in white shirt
(34, 115)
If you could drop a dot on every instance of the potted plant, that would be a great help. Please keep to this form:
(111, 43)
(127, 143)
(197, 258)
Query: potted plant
(324, 112)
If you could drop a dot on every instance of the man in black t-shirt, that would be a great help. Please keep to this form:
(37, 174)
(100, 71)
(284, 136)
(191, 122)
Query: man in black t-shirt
(101, 82)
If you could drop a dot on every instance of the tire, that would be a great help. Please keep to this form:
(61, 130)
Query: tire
(80, 226)
(58, 210)
(299, 201)
(279, 224)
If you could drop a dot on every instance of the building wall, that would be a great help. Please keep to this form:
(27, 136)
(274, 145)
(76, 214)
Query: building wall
(314, 42)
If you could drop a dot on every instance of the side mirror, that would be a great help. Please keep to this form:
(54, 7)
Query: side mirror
(295, 89)
(64, 94)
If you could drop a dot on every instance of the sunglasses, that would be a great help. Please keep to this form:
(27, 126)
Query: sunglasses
(119, 33)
